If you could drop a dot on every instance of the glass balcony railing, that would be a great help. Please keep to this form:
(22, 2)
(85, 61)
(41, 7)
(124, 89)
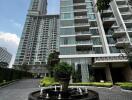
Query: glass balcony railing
(78, 10)
(119, 30)
(129, 29)
(82, 24)
(108, 18)
(79, 17)
(129, 20)
(84, 42)
(122, 40)
(85, 33)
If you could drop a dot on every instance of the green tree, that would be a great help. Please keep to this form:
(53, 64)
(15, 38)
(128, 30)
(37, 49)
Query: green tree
(62, 73)
(25, 67)
(130, 2)
(102, 5)
(53, 59)
(3, 64)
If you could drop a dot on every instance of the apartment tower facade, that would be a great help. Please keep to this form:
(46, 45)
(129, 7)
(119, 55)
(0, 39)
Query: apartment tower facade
(92, 41)
(39, 38)
(5, 57)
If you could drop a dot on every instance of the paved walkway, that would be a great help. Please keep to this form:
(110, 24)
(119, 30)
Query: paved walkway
(20, 90)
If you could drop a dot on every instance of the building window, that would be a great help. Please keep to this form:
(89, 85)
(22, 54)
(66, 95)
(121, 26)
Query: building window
(113, 49)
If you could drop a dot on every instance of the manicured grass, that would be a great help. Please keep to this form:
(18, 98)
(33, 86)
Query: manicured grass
(125, 85)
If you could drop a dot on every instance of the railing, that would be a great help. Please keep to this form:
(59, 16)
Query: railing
(76, 10)
(81, 24)
(129, 29)
(85, 52)
(80, 17)
(86, 32)
(126, 13)
(108, 18)
(76, 4)
(84, 42)
(108, 59)
(119, 30)
(129, 20)
(122, 39)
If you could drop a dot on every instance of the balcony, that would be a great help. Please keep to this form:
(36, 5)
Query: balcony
(82, 25)
(80, 17)
(84, 45)
(85, 52)
(128, 21)
(119, 32)
(80, 10)
(113, 59)
(83, 35)
(108, 21)
(122, 43)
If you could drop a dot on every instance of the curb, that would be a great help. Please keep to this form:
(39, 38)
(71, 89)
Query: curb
(9, 84)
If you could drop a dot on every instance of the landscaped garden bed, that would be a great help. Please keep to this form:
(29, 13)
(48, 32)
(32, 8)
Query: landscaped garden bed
(125, 85)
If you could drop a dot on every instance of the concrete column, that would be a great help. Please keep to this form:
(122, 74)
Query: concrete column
(127, 73)
(85, 72)
(108, 74)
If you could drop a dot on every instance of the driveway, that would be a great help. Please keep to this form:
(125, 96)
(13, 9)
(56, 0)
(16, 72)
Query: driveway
(20, 90)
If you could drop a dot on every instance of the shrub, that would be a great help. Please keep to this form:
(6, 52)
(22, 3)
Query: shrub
(125, 85)
(47, 81)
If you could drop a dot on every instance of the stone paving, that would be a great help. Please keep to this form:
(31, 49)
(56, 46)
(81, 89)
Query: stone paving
(20, 90)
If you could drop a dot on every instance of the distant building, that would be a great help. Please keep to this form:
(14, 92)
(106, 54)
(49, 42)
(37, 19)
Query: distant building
(5, 57)
(39, 38)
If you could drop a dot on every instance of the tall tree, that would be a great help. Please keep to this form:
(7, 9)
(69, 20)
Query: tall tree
(102, 5)
(53, 59)
(3, 64)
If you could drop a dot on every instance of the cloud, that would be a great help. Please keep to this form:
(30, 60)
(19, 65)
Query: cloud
(11, 42)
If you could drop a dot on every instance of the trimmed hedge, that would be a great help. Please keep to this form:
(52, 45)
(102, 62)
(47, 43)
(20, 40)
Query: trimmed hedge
(50, 81)
(125, 85)
(98, 84)
(7, 74)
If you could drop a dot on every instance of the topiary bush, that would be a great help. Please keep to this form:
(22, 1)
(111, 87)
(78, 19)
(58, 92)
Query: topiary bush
(62, 73)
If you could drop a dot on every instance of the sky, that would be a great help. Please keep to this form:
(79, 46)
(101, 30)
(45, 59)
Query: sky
(12, 19)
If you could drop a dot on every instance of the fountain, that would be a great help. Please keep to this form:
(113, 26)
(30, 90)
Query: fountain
(71, 94)
(63, 92)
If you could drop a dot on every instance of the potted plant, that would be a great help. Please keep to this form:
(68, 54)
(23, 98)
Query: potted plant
(62, 73)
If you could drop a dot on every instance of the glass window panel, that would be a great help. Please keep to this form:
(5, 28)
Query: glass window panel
(97, 41)
(67, 50)
(67, 31)
(113, 49)
(67, 23)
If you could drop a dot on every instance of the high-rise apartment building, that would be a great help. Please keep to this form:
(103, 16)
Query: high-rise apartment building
(39, 37)
(92, 41)
(5, 57)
